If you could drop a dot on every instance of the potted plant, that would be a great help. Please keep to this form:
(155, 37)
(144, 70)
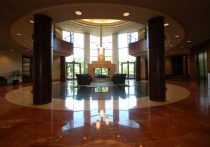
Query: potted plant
(15, 76)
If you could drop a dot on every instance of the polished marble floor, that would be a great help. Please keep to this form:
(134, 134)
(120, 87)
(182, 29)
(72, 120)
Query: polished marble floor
(98, 96)
(106, 116)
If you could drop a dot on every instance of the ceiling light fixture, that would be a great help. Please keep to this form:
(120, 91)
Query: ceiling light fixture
(78, 12)
(11, 50)
(102, 21)
(171, 44)
(166, 24)
(126, 14)
(31, 21)
(177, 36)
(189, 41)
(101, 49)
(27, 50)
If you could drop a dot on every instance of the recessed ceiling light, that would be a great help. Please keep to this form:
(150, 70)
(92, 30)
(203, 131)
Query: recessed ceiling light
(177, 36)
(166, 24)
(102, 21)
(78, 12)
(126, 14)
(31, 21)
(189, 41)
(19, 34)
(11, 50)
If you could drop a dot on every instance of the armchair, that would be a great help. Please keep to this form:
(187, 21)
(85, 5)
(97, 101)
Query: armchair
(83, 79)
(3, 81)
(118, 78)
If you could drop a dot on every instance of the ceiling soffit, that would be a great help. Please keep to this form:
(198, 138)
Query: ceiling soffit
(64, 13)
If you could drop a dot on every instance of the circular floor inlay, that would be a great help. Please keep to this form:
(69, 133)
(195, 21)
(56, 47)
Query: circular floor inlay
(23, 97)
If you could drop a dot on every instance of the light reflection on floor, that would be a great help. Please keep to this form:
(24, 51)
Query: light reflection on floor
(100, 96)
(86, 102)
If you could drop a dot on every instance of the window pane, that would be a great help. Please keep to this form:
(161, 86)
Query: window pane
(69, 58)
(65, 34)
(93, 45)
(94, 39)
(123, 54)
(107, 45)
(79, 54)
(134, 36)
(108, 52)
(94, 52)
(132, 58)
(67, 39)
(122, 40)
(93, 59)
(108, 59)
(78, 40)
(107, 39)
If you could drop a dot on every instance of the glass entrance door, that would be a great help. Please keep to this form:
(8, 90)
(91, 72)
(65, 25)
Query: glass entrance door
(129, 69)
(72, 68)
(202, 71)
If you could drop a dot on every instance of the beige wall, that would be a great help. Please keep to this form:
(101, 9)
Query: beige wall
(10, 61)
(56, 68)
(58, 32)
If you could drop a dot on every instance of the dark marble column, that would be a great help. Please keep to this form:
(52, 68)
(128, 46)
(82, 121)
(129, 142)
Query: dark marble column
(138, 68)
(42, 55)
(157, 90)
(62, 69)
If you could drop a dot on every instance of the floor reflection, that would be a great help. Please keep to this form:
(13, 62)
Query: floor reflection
(75, 96)
(109, 118)
(70, 89)
(87, 102)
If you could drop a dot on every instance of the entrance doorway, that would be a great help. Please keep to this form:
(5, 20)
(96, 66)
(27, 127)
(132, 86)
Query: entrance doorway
(72, 68)
(201, 66)
(179, 65)
(128, 68)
